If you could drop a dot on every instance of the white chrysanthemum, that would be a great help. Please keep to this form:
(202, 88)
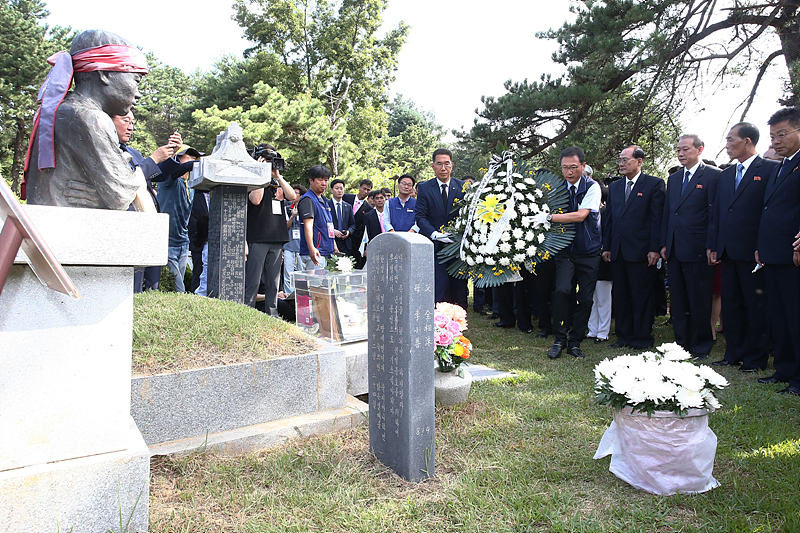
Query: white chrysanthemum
(713, 379)
(502, 173)
(484, 228)
(517, 233)
(538, 193)
(530, 181)
(534, 208)
(526, 222)
(637, 393)
(499, 187)
(473, 247)
(506, 236)
(490, 261)
(470, 261)
(479, 259)
(516, 175)
(523, 209)
(482, 249)
(505, 247)
(711, 401)
(545, 208)
(529, 235)
(519, 258)
(541, 238)
(520, 186)
(520, 245)
(505, 261)
(689, 399)
(519, 196)
(502, 196)
(532, 251)
(476, 223)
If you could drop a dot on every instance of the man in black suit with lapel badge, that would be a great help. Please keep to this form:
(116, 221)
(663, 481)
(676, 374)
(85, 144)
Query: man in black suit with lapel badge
(632, 241)
(691, 192)
(780, 220)
(344, 222)
(732, 240)
(360, 207)
(435, 201)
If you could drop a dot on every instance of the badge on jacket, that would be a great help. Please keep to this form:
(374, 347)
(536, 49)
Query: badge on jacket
(756, 178)
(638, 194)
(699, 185)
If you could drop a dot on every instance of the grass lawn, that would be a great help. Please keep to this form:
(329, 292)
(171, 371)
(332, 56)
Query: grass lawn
(517, 457)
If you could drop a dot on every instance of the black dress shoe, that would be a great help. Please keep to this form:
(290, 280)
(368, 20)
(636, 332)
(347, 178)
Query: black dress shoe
(482, 312)
(618, 344)
(749, 369)
(544, 333)
(698, 357)
(526, 331)
(555, 351)
(772, 379)
(598, 340)
(724, 362)
(501, 325)
(576, 351)
(493, 316)
(794, 391)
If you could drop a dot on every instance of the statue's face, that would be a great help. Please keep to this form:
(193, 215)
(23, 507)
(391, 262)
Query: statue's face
(121, 92)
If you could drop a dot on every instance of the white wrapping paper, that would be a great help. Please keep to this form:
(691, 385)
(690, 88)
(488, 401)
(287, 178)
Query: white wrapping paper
(664, 454)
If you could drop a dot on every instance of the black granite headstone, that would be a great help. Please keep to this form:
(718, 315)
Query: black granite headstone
(227, 219)
(401, 395)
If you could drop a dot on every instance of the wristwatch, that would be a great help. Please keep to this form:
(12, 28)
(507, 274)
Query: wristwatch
(549, 217)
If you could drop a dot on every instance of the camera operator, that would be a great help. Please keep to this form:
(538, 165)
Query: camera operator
(267, 232)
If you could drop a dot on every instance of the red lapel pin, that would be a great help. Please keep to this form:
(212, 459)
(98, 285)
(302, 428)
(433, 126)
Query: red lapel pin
(699, 186)
(756, 178)
(638, 194)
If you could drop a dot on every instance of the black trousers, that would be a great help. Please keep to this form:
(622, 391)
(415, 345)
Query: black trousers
(447, 288)
(149, 276)
(545, 285)
(197, 266)
(691, 290)
(572, 268)
(783, 295)
(263, 261)
(633, 302)
(744, 313)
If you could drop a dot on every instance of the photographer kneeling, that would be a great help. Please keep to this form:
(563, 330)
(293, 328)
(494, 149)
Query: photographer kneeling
(267, 232)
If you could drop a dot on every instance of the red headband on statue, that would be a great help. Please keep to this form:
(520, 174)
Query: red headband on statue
(111, 57)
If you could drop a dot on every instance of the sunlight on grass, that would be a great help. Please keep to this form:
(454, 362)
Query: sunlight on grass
(785, 449)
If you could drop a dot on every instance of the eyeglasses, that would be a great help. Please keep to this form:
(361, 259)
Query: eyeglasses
(780, 136)
(128, 122)
(626, 160)
(446, 164)
(571, 168)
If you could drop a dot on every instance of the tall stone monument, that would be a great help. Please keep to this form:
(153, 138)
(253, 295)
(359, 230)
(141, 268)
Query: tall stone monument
(229, 173)
(401, 394)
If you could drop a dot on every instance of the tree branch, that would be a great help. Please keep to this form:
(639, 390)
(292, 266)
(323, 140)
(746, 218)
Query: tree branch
(761, 73)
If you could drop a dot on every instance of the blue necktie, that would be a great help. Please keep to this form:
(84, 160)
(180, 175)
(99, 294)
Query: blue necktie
(686, 177)
(739, 174)
(339, 215)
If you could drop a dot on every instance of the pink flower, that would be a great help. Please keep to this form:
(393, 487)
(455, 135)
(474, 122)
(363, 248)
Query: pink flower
(440, 320)
(454, 328)
(454, 312)
(443, 338)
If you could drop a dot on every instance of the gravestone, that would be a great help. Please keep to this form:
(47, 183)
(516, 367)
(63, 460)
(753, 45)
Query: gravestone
(401, 394)
(229, 173)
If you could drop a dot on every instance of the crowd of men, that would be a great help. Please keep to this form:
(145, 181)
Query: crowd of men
(743, 220)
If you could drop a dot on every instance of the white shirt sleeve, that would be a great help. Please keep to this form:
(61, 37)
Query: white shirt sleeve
(591, 199)
(387, 223)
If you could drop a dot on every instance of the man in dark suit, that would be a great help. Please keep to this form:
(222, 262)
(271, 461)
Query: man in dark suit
(435, 201)
(360, 207)
(631, 242)
(732, 240)
(691, 192)
(780, 220)
(377, 221)
(344, 222)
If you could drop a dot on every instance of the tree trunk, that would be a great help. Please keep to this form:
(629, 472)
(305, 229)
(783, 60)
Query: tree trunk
(333, 161)
(20, 150)
(789, 34)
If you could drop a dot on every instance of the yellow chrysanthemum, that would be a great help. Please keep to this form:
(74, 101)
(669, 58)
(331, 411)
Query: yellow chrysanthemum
(490, 210)
(459, 350)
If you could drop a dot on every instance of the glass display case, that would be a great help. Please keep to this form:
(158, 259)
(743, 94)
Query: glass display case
(332, 306)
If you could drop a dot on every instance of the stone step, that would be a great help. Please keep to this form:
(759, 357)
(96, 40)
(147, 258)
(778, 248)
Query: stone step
(271, 434)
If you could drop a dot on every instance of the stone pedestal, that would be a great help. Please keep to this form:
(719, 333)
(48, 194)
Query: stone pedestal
(69, 452)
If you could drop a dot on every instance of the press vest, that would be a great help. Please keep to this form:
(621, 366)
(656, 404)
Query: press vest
(319, 233)
(402, 217)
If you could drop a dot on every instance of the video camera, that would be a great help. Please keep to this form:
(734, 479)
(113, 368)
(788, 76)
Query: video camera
(269, 154)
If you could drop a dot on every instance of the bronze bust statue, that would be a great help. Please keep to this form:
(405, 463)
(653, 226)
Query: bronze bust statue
(74, 159)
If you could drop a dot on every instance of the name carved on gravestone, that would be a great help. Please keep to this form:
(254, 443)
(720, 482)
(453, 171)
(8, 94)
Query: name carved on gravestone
(401, 393)
(229, 173)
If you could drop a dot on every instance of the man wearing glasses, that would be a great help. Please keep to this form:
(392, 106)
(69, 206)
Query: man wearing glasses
(691, 192)
(434, 210)
(780, 220)
(581, 260)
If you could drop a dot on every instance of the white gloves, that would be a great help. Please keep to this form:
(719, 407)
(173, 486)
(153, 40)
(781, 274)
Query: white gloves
(441, 237)
(540, 219)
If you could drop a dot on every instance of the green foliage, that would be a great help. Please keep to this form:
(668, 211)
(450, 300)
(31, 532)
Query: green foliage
(629, 65)
(297, 127)
(25, 44)
(327, 49)
(412, 137)
(166, 94)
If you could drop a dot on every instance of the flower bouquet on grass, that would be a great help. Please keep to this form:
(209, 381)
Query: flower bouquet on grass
(452, 348)
(659, 440)
(494, 235)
